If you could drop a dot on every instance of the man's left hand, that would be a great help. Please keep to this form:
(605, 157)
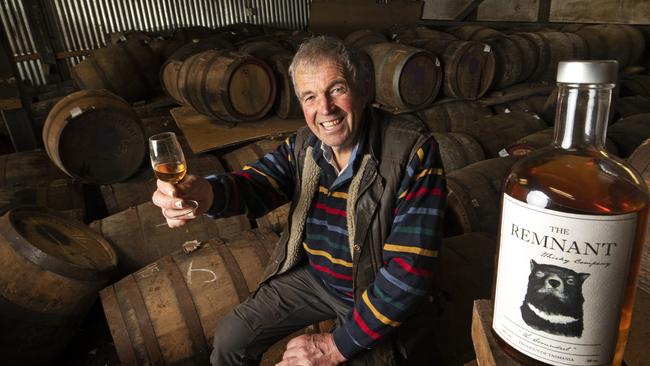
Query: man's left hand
(312, 350)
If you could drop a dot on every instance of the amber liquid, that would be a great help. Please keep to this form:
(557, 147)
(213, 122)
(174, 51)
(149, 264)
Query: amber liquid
(170, 172)
(585, 182)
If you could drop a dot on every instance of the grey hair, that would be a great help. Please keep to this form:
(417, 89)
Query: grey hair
(314, 51)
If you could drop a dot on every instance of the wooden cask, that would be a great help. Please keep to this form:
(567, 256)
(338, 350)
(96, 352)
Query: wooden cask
(364, 37)
(469, 67)
(452, 115)
(171, 68)
(474, 196)
(614, 42)
(406, 78)
(128, 69)
(628, 106)
(458, 150)
(51, 269)
(140, 234)
(227, 85)
(286, 103)
(474, 32)
(630, 132)
(494, 133)
(640, 160)
(95, 136)
(417, 36)
(166, 312)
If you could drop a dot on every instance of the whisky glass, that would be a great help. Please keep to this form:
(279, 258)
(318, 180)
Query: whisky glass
(168, 163)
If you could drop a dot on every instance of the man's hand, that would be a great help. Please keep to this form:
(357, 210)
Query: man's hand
(312, 350)
(170, 198)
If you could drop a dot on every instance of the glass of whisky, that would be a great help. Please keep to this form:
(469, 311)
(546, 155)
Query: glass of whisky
(168, 163)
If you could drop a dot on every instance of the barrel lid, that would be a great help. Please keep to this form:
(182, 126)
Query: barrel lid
(57, 243)
(587, 72)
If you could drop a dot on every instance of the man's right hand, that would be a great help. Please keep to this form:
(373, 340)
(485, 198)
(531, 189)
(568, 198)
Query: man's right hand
(170, 197)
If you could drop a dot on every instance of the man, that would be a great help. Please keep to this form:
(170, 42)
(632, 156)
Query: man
(367, 193)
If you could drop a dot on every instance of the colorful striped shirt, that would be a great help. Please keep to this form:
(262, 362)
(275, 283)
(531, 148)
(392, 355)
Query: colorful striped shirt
(409, 251)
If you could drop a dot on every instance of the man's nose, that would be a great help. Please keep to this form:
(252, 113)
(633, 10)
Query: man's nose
(326, 105)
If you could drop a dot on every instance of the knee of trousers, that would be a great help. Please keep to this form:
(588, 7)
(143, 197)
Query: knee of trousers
(231, 339)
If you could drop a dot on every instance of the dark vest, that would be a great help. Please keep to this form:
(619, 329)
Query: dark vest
(392, 143)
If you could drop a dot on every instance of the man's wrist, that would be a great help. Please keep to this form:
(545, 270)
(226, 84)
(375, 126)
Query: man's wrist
(337, 356)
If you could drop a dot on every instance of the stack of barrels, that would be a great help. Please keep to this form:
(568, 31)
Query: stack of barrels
(167, 288)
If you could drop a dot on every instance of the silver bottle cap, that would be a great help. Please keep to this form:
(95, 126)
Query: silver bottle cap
(587, 72)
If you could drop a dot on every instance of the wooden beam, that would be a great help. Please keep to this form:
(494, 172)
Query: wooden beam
(469, 9)
(544, 12)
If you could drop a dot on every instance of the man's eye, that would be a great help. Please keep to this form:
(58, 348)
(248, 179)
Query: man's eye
(308, 99)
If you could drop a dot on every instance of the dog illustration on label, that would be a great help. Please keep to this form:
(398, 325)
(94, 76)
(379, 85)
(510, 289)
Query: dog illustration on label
(553, 302)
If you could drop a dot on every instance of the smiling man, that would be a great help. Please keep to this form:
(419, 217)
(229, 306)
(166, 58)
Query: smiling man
(367, 192)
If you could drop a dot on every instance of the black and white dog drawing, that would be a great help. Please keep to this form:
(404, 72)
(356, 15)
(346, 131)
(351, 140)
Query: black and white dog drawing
(553, 302)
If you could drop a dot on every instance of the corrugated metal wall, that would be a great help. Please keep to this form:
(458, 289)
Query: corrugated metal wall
(84, 24)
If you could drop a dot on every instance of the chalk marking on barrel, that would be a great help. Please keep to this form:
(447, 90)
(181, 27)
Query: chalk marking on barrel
(190, 270)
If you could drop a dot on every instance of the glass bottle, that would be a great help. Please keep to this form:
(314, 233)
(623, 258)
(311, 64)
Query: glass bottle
(572, 225)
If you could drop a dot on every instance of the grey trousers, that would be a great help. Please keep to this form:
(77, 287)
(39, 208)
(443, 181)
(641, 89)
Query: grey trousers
(278, 308)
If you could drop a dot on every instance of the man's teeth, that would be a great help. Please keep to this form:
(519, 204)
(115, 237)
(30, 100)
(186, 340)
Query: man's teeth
(332, 123)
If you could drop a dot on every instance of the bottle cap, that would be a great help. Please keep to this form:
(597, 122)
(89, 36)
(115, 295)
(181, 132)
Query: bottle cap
(587, 72)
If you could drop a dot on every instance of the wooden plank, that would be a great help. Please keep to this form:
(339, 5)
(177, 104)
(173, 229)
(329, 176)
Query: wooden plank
(342, 17)
(10, 103)
(204, 133)
(469, 9)
(488, 352)
(544, 10)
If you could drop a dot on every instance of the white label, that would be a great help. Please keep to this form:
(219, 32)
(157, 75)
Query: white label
(560, 282)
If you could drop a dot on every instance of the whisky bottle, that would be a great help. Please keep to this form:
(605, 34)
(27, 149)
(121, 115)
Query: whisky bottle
(573, 219)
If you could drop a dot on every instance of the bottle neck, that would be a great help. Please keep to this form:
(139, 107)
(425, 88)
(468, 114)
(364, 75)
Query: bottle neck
(582, 114)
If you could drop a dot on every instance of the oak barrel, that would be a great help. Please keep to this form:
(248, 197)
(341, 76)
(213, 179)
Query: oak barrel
(494, 133)
(51, 269)
(227, 85)
(364, 37)
(95, 136)
(128, 69)
(264, 49)
(640, 160)
(474, 196)
(139, 189)
(417, 36)
(630, 132)
(286, 104)
(618, 42)
(172, 66)
(166, 312)
(451, 115)
(406, 78)
(458, 150)
(628, 106)
(469, 66)
(635, 85)
(474, 32)
(140, 234)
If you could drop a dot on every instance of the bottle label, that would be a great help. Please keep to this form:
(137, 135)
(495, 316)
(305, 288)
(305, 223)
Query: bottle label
(560, 282)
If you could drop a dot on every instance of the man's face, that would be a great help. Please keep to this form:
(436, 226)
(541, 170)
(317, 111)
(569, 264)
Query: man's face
(331, 107)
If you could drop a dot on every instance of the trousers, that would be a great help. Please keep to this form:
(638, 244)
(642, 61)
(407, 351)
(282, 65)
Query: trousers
(279, 307)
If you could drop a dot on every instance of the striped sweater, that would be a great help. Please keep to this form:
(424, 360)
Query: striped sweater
(408, 253)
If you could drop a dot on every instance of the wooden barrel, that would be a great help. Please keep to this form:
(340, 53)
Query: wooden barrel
(543, 138)
(623, 43)
(472, 32)
(120, 196)
(628, 106)
(172, 66)
(250, 153)
(95, 136)
(534, 104)
(27, 168)
(51, 269)
(128, 69)
(458, 150)
(630, 132)
(452, 115)
(164, 48)
(189, 34)
(406, 78)
(286, 103)
(469, 67)
(275, 220)
(508, 61)
(166, 313)
(561, 48)
(494, 133)
(636, 85)
(264, 49)
(140, 234)
(364, 37)
(63, 195)
(474, 196)
(640, 160)
(543, 54)
(227, 85)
